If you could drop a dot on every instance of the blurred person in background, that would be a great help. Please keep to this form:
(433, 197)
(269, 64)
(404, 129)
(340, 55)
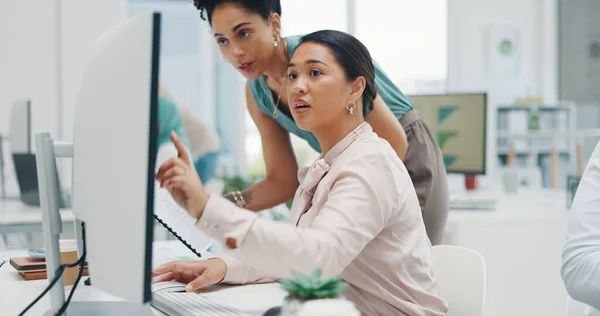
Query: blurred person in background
(202, 140)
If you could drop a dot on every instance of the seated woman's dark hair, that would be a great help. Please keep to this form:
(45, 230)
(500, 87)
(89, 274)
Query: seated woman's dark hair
(264, 8)
(354, 58)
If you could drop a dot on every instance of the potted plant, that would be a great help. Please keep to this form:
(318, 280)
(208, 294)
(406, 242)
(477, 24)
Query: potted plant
(235, 183)
(304, 288)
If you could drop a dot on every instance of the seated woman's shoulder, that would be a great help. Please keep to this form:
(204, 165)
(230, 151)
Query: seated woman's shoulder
(375, 158)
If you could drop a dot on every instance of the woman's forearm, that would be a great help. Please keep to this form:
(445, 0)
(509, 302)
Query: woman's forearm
(265, 194)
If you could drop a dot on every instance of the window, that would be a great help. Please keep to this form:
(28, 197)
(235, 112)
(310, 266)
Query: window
(297, 17)
(180, 65)
(408, 40)
(302, 17)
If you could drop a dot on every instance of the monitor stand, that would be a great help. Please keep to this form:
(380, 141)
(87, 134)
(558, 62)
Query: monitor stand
(117, 308)
(51, 229)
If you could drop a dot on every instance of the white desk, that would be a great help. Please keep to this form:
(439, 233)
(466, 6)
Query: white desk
(16, 294)
(16, 217)
(521, 242)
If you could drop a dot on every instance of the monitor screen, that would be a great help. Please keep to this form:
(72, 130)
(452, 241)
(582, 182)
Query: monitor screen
(458, 123)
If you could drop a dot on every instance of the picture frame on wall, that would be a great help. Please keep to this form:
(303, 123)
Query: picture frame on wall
(503, 51)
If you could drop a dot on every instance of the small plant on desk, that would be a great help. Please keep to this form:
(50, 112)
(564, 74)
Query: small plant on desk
(304, 288)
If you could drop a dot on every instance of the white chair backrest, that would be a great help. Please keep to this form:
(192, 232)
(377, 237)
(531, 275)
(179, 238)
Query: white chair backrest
(461, 279)
(576, 308)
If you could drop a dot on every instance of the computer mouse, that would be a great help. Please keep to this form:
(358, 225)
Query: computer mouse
(274, 311)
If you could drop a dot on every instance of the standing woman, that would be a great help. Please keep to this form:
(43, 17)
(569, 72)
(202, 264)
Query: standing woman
(248, 35)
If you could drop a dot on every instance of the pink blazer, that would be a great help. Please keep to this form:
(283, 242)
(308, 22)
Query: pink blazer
(355, 213)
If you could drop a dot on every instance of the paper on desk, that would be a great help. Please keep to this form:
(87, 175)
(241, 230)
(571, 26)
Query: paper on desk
(179, 221)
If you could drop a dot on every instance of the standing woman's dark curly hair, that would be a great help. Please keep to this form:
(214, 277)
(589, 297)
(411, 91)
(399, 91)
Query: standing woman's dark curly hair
(264, 8)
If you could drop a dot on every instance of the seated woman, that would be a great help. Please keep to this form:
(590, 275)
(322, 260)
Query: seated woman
(355, 212)
(581, 254)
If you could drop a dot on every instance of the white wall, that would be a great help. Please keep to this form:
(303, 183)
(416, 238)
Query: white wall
(81, 23)
(27, 68)
(44, 48)
(468, 24)
(28, 55)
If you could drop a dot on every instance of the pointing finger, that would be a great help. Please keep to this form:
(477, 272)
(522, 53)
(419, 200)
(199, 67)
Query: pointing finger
(182, 152)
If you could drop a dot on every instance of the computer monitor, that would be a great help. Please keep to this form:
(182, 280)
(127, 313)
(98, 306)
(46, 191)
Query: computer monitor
(458, 124)
(115, 140)
(23, 157)
(20, 127)
(26, 172)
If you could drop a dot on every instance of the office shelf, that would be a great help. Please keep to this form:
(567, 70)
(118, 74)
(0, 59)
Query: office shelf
(535, 131)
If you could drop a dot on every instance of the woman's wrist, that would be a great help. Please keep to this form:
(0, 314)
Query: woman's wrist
(237, 197)
(200, 205)
(224, 264)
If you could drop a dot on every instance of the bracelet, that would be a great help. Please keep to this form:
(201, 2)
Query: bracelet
(235, 198)
(239, 199)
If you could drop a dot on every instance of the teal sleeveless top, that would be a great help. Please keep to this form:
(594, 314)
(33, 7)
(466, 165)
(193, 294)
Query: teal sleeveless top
(393, 97)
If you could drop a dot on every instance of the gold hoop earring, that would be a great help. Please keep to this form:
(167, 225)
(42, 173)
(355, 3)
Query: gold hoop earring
(350, 108)
(275, 39)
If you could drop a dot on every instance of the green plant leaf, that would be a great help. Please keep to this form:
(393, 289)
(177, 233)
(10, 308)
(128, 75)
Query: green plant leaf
(311, 286)
(302, 279)
(331, 282)
(291, 288)
(304, 293)
(341, 287)
(325, 293)
(288, 282)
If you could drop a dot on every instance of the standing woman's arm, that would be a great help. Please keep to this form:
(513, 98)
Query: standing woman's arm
(281, 179)
(387, 126)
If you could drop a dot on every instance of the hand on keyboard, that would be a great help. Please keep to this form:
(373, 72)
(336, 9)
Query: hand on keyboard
(196, 275)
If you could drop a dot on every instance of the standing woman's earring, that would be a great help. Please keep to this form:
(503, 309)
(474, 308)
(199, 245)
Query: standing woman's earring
(350, 107)
(275, 39)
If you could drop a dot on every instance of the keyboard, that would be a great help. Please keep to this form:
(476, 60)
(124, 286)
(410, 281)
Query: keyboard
(191, 304)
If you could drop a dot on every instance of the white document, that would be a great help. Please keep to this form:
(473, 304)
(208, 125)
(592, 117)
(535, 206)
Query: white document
(179, 222)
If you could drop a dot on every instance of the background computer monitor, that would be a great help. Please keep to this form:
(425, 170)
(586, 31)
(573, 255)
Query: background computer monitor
(21, 151)
(20, 127)
(23, 157)
(115, 140)
(458, 124)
